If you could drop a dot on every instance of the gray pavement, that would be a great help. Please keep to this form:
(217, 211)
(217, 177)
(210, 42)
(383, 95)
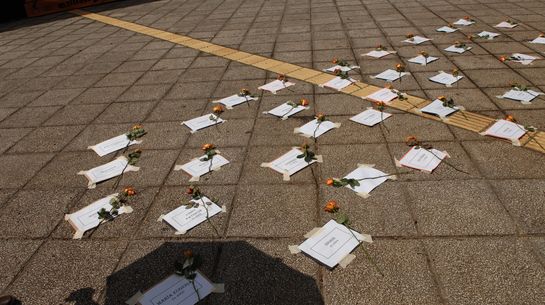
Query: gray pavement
(443, 238)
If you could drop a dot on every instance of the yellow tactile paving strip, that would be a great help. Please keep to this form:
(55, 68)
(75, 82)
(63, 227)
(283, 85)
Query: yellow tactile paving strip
(467, 120)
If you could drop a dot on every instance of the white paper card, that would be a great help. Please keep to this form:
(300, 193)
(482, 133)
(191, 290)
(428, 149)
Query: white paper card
(285, 110)
(338, 83)
(421, 60)
(177, 290)
(184, 219)
(202, 122)
(342, 68)
(276, 85)
(367, 185)
(370, 117)
(436, 107)
(197, 168)
(446, 29)
(488, 35)
(113, 144)
(416, 40)
(390, 75)
(383, 95)
(332, 243)
(506, 130)
(445, 78)
(289, 164)
(522, 96)
(309, 128)
(422, 159)
(505, 24)
(234, 100)
(523, 58)
(463, 22)
(454, 49)
(540, 40)
(87, 218)
(107, 171)
(378, 54)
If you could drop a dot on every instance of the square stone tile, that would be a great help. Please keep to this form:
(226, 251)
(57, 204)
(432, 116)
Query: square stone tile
(471, 99)
(29, 116)
(119, 79)
(177, 110)
(407, 278)
(478, 62)
(505, 270)
(202, 74)
(154, 165)
(290, 214)
(76, 114)
(144, 93)
(272, 131)
(46, 139)
(35, 214)
(170, 198)
(497, 159)
(172, 63)
(14, 255)
(103, 95)
(19, 98)
(129, 112)
(228, 88)
(160, 77)
(57, 97)
(228, 174)
(523, 200)
(494, 77)
(288, 273)
(400, 126)
(192, 91)
(458, 208)
(17, 170)
(123, 227)
(233, 132)
(351, 133)
(10, 136)
(136, 65)
(71, 259)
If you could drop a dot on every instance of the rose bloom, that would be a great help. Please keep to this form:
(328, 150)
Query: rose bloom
(281, 77)
(137, 126)
(188, 253)
(441, 98)
(303, 102)
(129, 191)
(329, 182)
(190, 190)
(411, 140)
(245, 91)
(503, 58)
(388, 86)
(410, 35)
(424, 53)
(320, 117)
(218, 109)
(304, 146)
(207, 146)
(334, 60)
(510, 118)
(331, 206)
(400, 68)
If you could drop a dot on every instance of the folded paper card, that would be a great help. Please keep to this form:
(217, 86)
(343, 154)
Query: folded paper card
(87, 218)
(290, 163)
(332, 243)
(539, 40)
(202, 122)
(184, 218)
(421, 60)
(286, 110)
(378, 53)
(368, 179)
(383, 95)
(198, 167)
(437, 108)
(338, 83)
(459, 50)
(342, 68)
(505, 24)
(523, 96)
(446, 29)
(416, 40)
(370, 117)
(488, 35)
(314, 129)
(390, 75)
(175, 290)
(107, 171)
(275, 86)
(422, 159)
(445, 78)
(234, 100)
(522, 58)
(463, 22)
(506, 130)
(113, 144)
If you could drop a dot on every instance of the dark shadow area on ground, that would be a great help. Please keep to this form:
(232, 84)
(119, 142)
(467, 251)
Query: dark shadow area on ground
(12, 15)
(250, 276)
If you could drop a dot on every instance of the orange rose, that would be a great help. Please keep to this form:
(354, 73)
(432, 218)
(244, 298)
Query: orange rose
(542, 35)
(510, 118)
(380, 105)
(455, 72)
(410, 35)
(137, 126)
(320, 117)
(218, 109)
(467, 18)
(442, 98)
(190, 190)
(388, 86)
(424, 53)
(334, 60)
(304, 102)
(329, 182)
(244, 91)
(331, 206)
(281, 77)
(411, 140)
(129, 191)
(400, 68)
(503, 58)
(208, 146)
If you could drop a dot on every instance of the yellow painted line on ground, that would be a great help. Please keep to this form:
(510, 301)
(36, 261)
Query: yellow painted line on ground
(463, 119)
